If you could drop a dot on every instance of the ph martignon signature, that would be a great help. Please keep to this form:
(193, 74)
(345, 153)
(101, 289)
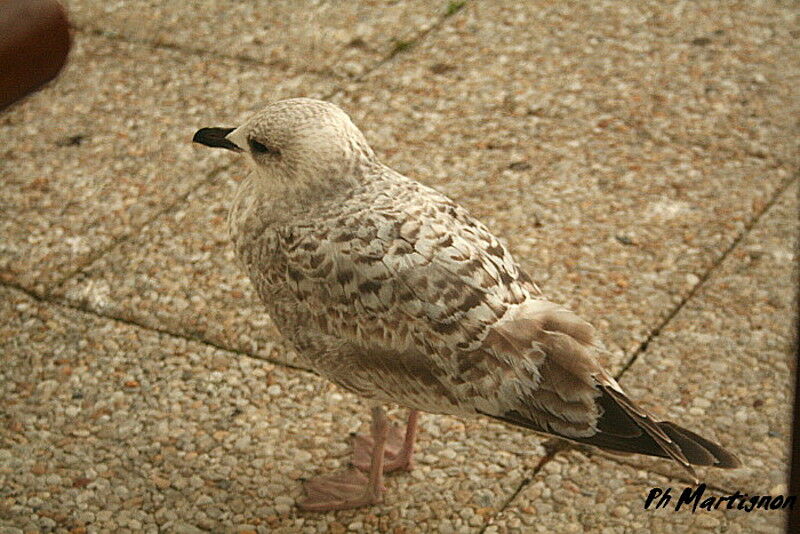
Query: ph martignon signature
(693, 498)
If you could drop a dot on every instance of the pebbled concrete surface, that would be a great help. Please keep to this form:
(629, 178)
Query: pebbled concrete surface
(721, 367)
(640, 160)
(103, 151)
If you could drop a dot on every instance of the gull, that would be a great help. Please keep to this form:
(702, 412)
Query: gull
(392, 291)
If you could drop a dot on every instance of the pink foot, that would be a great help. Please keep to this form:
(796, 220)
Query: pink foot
(398, 448)
(395, 459)
(352, 489)
(340, 491)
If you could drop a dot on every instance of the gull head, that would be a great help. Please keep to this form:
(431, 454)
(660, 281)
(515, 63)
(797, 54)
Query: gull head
(297, 142)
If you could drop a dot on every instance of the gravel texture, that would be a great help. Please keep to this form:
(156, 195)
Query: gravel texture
(332, 38)
(107, 148)
(623, 150)
(574, 493)
(113, 427)
(179, 274)
(724, 362)
(720, 367)
(615, 221)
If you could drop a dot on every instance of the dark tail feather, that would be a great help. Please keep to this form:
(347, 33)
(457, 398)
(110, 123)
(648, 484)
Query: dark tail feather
(625, 428)
(689, 441)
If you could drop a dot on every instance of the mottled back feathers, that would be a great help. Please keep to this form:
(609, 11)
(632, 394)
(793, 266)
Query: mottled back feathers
(394, 292)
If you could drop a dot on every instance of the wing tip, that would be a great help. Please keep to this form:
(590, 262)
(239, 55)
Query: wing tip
(663, 438)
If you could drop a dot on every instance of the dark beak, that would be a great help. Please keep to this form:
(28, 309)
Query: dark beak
(215, 137)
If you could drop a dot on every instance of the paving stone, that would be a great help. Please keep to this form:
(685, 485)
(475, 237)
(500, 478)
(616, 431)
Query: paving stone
(582, 494)
(721, 368)
(621, 149)
(94, 156)
(722, 365)
(160, 432)
(612, 221)
(341, 38)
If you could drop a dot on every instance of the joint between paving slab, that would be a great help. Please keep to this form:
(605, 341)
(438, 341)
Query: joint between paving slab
(782, 188)
(47, 292)
(553, 448)
(400, 47)
(67, 304)
(99, 253)
(403, 46)
(239, 58)
(723, 150)
(558, 446)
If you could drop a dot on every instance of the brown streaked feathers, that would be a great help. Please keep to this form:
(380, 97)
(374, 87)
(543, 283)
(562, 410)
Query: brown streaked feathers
(393, 291)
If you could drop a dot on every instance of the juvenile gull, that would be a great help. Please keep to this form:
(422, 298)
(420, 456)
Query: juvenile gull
(394, 292)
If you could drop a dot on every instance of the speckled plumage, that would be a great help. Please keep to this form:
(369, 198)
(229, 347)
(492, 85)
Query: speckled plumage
(394, 292)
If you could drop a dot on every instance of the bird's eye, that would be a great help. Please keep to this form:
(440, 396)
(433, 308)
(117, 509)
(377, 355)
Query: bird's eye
(261, 148)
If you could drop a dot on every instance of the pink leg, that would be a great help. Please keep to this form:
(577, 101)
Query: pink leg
(399, 447)
(351, 488)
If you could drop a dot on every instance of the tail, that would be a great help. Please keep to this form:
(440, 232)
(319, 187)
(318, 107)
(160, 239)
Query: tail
(625, 428)
(576, 399)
